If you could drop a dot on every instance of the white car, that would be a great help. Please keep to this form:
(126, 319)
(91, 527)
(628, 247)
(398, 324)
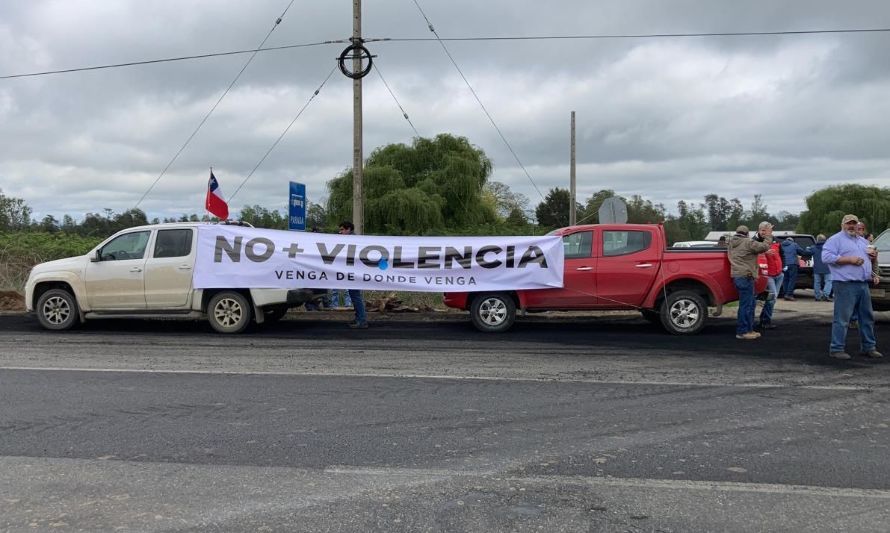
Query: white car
(695, 244)
(146, 272)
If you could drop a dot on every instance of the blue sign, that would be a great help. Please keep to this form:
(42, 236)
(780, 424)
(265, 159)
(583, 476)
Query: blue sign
(296, 207)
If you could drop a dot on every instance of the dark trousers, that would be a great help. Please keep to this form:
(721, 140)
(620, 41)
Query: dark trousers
(790, 279)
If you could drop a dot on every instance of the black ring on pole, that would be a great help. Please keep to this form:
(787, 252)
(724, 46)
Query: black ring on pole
(362, 53)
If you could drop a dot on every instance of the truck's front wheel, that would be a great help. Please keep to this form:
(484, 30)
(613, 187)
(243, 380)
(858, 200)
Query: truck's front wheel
(229, 312)
(57, 310)
(493, 312)
(683, 313)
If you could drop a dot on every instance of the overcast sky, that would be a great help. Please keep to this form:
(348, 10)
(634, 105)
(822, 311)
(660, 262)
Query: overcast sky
(667, 118)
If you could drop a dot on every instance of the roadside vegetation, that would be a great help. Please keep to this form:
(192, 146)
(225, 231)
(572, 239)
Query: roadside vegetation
(438, 186)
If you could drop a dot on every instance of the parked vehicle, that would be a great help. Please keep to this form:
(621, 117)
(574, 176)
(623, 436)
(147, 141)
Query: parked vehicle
(695, 244)
(146, 272)
(805, 264)
(880, 294)
(619, 266)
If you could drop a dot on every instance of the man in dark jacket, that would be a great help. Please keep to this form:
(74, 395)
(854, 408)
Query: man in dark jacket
(821, 273)
(790, 252)
(743, 253)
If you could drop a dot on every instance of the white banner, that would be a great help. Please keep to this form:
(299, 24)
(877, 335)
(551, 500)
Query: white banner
(239, 257)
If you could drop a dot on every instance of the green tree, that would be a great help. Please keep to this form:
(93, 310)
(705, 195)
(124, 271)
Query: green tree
(691, 224)
(758, 213)
(589, 214)
(787, 221)
(553, 212)
(505, 201)
(95, 225)
(68, 224)
(826, 207)
(260, 217)
(128, 219)
(418, 189)
(49, 224)
(14, 213)
(723, 214)
(517, 219)
(316, 216)
(641, 211)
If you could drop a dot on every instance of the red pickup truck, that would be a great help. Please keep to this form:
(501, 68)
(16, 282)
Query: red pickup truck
(619, 266)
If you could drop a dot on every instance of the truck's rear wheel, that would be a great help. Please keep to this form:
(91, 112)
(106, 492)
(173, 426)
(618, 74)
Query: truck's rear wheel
(57, 310)
(493, 312)
(229, 312)
(683, 313)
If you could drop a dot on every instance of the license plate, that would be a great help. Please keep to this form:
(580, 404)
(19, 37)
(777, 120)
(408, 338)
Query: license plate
(877, 293)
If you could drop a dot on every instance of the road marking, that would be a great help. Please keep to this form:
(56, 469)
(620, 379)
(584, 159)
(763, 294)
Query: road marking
(648, 383)
(437, 474)
(723, 486)
(396, 471)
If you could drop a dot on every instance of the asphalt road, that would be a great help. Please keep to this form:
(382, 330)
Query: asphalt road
(423, 424)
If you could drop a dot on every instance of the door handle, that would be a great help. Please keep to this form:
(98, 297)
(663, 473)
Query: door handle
(184, 267)
(644, 265)
(584, 269)
(136, 269)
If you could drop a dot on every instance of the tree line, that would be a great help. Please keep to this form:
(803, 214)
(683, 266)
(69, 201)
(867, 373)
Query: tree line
(442, 186)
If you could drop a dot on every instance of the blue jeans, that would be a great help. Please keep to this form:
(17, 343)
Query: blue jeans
(822, 285)
(850, 296)
(746, 305)
(334, 298)
(790, 280)
(773, 284)
(359, 304)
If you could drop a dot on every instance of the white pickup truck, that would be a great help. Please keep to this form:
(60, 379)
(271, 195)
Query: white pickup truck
(146, 272)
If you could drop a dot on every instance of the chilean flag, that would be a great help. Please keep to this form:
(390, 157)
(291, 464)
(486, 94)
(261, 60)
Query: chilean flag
(214, 201)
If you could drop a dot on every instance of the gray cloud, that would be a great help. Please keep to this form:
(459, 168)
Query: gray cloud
(670, 118)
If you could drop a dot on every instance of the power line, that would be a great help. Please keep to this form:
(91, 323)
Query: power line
(168, 59)
(630, 35)
(476, 96)
(212, 109)
(455, 39)
(283, 133)
(404, 114)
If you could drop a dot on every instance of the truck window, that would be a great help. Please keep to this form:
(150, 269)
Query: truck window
(173, 243)
(577, 245)
(126, 246)
(625, 242)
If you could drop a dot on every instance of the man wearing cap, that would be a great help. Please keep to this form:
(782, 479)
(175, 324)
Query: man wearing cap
(851, 263)
(743, 253)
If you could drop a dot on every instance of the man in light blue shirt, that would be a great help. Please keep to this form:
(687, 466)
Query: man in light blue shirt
(851, 260)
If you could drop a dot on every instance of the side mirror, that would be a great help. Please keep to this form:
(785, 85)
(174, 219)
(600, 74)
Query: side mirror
(96, 256)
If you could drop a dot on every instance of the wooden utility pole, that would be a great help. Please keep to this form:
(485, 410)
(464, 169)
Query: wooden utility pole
(573, 217)
(358, 210)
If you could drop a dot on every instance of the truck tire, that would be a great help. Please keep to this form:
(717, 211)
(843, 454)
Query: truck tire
(57, 310)
(683, 313)
(493, 312)
(229, 312)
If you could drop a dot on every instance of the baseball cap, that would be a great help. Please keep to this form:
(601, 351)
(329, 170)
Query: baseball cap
(850, 218)
(741, 229)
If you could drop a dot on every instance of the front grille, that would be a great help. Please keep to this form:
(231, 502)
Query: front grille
(884, 270)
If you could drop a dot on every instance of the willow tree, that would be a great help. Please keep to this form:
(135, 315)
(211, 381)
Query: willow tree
(433, 186)
(826, 207)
